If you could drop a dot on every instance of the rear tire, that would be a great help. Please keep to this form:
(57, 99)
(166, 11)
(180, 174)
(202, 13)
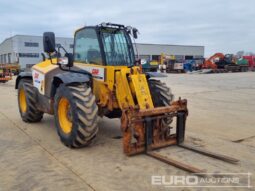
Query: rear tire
(27, 102)
(82, 114)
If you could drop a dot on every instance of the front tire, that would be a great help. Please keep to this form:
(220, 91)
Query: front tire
(27, 102)
(160, 93)
(161, 96)
(76, 115)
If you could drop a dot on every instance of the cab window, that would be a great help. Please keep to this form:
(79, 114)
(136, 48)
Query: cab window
(117, 48)
(87, 48)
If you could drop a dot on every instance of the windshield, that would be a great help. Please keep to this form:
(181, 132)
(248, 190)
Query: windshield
(87, 49)
(117, 47)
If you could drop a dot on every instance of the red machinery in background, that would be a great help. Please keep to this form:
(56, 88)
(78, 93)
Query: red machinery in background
(251, 61)
(225, 63)
(210, 62)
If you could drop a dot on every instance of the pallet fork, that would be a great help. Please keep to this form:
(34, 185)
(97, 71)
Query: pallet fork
(149, 138)
(180, 134)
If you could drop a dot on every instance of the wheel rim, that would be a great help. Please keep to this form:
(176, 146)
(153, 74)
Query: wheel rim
(22, 100)
(64, 115)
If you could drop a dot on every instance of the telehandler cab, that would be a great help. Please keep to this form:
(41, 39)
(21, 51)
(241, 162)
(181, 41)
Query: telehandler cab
(102, 78)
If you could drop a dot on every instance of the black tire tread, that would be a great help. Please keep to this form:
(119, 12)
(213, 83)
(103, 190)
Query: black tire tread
(32, 114)
(161, 94)
(87, 116)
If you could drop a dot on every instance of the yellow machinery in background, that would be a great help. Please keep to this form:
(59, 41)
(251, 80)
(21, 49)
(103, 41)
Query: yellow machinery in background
(169, 64)
(14, 68)
(5, 73)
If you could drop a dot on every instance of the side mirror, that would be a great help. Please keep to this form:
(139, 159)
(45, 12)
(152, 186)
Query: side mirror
(70, 59)
(67, 60)
(49, 42)
(135, 31)
(43, 56)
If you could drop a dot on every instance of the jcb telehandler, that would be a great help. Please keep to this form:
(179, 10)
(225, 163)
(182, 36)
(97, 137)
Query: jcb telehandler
(101, 78)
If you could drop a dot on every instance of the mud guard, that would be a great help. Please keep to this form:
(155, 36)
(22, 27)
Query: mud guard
(68, 78)
(22, 75)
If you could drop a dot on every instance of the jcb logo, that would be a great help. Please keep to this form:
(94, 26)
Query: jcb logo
(95, 71)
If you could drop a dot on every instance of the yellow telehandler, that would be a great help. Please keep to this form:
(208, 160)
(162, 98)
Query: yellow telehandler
(102, 78)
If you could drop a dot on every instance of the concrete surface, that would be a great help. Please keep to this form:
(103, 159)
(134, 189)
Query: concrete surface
(222, 108)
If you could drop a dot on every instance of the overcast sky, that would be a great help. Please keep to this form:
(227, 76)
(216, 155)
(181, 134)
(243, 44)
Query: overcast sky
(220, 25)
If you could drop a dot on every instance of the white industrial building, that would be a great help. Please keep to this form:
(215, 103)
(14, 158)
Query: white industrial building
(26, 50)
(181, 52)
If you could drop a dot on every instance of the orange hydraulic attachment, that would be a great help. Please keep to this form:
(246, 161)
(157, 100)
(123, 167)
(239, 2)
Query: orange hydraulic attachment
(209, 63)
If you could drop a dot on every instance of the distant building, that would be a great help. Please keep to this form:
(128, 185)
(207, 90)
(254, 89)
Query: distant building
(26, 50)
(181, 52)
